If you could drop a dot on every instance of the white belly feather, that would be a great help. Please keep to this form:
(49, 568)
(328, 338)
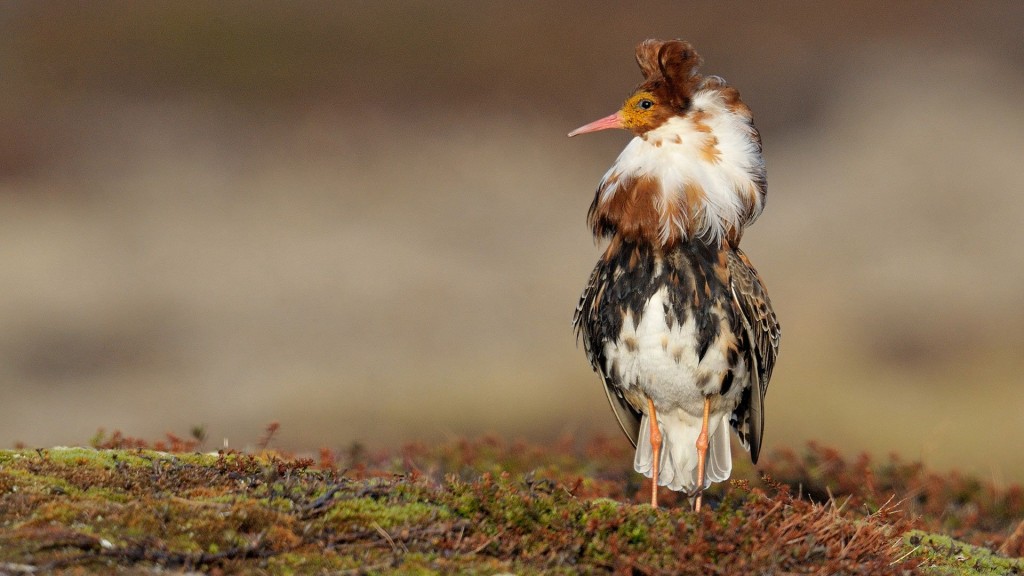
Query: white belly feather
(661, 361)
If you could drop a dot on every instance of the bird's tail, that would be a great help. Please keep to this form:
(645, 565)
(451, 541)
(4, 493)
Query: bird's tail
(678, 467)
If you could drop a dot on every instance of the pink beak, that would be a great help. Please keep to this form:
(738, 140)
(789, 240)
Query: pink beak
(613, 121)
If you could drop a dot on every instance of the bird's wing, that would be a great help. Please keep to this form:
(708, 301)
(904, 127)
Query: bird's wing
(628, 417)
(583, 320)
(762, 329)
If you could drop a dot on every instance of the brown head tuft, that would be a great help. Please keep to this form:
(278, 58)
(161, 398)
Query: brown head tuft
(647, 58)
(672, 64)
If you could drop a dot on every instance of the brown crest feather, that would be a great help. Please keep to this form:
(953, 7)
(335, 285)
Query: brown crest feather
(678, 62)
(647, 58)
(670, 67)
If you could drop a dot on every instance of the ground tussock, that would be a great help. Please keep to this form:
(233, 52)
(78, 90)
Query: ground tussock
(486, 506)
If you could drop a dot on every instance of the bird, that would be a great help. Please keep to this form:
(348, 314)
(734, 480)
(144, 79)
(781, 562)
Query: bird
(675, 318)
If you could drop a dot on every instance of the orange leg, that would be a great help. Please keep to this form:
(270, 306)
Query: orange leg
(656, 447)
(702, 452)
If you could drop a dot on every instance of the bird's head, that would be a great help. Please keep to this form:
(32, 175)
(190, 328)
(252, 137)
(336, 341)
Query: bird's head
(670, 77)
(694, 168)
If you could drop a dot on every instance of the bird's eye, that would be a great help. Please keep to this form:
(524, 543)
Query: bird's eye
(646, 104)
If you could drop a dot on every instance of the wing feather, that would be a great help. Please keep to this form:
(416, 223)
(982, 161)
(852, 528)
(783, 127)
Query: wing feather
(583, 319)
(763, 335)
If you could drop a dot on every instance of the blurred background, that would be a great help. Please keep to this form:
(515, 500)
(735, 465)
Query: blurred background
(363, 220)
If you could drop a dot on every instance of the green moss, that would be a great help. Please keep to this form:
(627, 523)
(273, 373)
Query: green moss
(943, 555)
(87, 456)
(19, 480)
(370, 512)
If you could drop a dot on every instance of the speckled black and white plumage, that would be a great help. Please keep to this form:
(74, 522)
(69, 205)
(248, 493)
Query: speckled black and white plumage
(672, 325)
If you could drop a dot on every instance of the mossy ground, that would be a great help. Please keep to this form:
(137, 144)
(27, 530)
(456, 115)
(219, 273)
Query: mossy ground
(486, 507)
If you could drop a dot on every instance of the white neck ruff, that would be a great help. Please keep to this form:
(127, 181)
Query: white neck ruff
(709, 168)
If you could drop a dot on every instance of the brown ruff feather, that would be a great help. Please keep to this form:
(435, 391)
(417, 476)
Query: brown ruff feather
(630, 212)
(639, 211)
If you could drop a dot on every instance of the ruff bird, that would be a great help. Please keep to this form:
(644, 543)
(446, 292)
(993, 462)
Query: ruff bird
(675, 319)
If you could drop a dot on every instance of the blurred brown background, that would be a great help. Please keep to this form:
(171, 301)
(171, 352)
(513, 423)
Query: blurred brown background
(364, 220)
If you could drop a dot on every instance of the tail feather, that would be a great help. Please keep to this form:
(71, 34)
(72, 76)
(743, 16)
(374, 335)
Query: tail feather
(719, 465)
(678, 466)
